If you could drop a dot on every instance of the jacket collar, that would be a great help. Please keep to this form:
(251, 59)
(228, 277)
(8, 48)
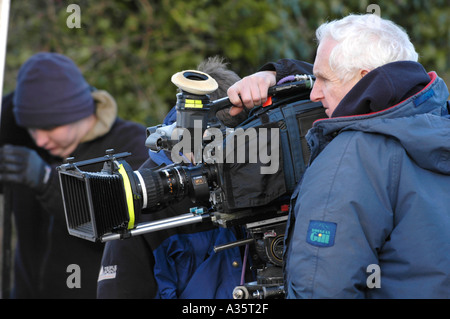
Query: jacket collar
(435, 93)
(383, 87)
(432, 99)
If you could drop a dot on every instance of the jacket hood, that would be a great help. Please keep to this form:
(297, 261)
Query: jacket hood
(420, 123)
(425, 137)
(106, 114)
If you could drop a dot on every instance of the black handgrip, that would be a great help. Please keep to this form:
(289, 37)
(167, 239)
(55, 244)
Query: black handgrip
(224, 102)
(294, 86)
(220, 104)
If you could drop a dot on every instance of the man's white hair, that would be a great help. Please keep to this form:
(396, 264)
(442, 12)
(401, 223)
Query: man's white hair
(365, 42)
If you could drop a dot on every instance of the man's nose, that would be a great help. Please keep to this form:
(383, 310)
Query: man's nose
(40, 137)
(316, 93)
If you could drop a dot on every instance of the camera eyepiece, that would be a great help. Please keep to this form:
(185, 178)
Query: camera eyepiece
(195, 82)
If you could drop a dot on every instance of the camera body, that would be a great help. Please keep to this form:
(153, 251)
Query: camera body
(235, 177)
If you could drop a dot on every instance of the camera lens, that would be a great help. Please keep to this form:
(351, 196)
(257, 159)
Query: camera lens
(168, 185)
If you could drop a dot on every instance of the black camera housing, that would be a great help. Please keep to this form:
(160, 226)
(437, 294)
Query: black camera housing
(107, 205)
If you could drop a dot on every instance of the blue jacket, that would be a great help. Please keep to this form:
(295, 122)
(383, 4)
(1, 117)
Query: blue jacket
(371, 217)
(187, 267)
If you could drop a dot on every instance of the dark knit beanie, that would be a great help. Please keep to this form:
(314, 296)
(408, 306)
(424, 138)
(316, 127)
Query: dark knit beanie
(51, 91)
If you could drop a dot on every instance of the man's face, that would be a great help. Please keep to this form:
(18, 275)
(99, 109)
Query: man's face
(59, 141)
(328, 88)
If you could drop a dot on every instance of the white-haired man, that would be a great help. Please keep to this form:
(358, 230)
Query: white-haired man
(370, 218)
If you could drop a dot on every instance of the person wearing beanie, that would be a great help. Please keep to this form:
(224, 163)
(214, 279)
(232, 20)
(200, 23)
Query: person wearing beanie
(64, 97)
(54, 114)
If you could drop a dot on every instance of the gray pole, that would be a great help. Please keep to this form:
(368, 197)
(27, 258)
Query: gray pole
(6, 252)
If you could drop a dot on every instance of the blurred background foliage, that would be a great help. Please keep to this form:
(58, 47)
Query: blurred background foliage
(132, 48)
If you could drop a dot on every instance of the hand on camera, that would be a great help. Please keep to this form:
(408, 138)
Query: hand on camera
(21, 165)
(250, 91)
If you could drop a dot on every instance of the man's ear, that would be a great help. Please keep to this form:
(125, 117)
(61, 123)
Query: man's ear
(363, 73)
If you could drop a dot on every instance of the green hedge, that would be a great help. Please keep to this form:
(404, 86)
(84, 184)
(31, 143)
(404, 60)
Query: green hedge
(132, 48)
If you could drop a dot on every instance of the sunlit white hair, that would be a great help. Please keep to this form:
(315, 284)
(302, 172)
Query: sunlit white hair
(365, 42)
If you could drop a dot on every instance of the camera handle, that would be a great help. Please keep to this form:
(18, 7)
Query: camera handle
(303, 82)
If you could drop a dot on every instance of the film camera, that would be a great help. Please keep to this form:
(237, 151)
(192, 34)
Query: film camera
(236, 177)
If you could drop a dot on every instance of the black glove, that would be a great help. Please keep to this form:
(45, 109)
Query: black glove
(19, 164)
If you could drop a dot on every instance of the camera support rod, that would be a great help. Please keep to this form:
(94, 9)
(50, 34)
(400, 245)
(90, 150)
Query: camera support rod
(165, 223)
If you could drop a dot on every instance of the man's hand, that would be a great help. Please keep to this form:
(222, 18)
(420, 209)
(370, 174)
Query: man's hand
(19, 164)
(251, 90)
